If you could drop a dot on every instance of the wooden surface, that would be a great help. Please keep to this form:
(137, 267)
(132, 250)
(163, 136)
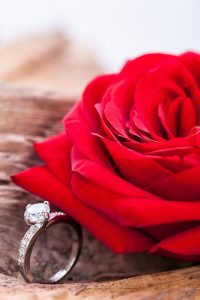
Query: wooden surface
(180, 285)
(28, 115)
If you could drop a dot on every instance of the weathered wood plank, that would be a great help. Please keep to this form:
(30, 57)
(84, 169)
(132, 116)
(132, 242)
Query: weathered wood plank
(180, 284)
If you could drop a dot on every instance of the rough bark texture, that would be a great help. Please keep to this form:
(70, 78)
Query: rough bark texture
(28, 115)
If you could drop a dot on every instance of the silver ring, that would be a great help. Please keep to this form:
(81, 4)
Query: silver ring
(40, 218)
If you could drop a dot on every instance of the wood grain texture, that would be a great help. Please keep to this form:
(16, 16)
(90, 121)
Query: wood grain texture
(31, 114)
(180, 284)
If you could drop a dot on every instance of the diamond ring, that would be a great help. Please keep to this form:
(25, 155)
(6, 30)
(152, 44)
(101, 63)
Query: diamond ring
(40, 218)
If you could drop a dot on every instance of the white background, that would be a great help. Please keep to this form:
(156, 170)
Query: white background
(114, 29)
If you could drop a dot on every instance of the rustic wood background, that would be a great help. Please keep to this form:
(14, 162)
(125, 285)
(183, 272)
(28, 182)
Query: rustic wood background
(41, 77)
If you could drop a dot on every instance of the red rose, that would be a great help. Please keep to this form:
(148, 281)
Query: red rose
(128, 165)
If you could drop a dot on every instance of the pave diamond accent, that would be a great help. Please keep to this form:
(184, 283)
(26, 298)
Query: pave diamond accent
(25, 242)
(37, 213)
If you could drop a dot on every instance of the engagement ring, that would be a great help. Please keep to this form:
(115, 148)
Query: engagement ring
(40, 218)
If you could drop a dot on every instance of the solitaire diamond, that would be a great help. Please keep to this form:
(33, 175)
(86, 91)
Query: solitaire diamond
(37, 213)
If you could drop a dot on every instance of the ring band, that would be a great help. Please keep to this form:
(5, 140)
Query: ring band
(40, 218)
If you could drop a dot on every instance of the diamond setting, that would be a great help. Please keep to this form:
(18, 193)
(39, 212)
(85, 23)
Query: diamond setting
(37, 213)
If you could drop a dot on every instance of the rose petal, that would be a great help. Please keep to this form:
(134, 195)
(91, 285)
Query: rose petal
(108, 130)
(116, 105)
(55, 152)
(192, 61)
(173, 115)
(180, 146)
(135, 167)
(144, 63)
(170, 116)
(92, 95)
(113, 182)
(178, 186)
(133, 207)
(187, 117)
(163, 231)
(177, 164)
(163, 94)
(81, 136)
(179, 117)
(184, 245)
